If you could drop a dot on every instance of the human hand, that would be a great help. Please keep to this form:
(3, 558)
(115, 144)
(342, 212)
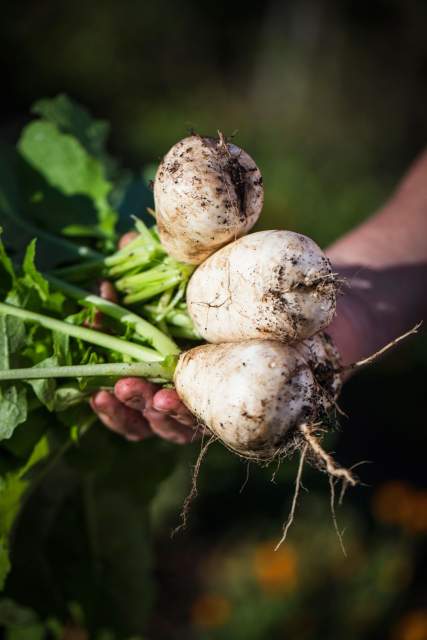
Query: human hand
(138, 409)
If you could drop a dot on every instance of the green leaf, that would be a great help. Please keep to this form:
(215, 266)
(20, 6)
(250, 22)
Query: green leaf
(66, 165)
(12, 613)
(74, 119)
(45, 388)
(19, 622)
(13, 409)
(32, 277)
(63, 161)
(71, 118)
(12, 339)
(34, 281)
(29, 207)
(61, 348)
(13, 398)
(6, 262)
(68, 396)
(13, 486)
(12, 489)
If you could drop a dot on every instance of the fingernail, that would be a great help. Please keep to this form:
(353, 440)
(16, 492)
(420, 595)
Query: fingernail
(137, 402)
(133, 437)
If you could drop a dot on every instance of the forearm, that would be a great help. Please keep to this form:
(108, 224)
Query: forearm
(384, 265)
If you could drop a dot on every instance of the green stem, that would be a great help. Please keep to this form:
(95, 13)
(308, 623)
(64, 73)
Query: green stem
(150, 291)
(178, 322)
(144, 248)
(172, 304)
(183, 333)
(82, 271)
(150, 370)
(160, 342)
(112, 343)
(69, 248)
(134, 262)
(168, 269)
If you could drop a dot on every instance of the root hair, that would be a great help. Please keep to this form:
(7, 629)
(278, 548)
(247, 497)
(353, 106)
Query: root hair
(295, 498)
(333, 513)
(380, 352)
(193, 490)
(246, 480)
(323, 459)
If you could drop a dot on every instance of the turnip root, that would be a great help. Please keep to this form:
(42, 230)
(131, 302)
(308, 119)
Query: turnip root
(207, 193)
(254, 395)
(270, 285)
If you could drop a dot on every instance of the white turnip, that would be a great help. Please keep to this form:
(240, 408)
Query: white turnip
(207, 193)
(269, 285)
(254, 395)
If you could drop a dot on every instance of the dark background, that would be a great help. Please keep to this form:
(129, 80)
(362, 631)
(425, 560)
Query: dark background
(330, 97)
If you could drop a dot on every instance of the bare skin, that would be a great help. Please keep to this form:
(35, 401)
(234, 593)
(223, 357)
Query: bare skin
(139, 409)
(383, 264)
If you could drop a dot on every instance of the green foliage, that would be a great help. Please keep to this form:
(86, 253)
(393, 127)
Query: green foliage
(20, 622)
(66, 165)
(27, 200)
(61, 179)
(13, 411)
(13, 397)
(73, 119)
(8, 277)
(12, 488)
(62, 476)
(45, 389)
(32, 278)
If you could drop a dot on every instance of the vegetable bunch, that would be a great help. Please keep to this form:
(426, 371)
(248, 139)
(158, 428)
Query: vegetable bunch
(261, 300)
(265, 293)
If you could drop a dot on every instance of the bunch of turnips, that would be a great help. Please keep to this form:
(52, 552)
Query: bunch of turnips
(261, 299)
(268, 376)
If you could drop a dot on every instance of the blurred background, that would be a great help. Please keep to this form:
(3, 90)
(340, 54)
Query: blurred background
(330, 99)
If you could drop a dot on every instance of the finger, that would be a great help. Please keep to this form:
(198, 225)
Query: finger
(107, 291)
(168, 401)
(135, 393)
(126, 238)
(168, 428)
(95, 322)
(119, 418)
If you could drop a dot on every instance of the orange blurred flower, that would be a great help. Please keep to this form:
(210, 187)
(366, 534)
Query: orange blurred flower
(391, 502)
(418, 522)
(210, 610)
(399, 503)
(275, 570)
(413, 626)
